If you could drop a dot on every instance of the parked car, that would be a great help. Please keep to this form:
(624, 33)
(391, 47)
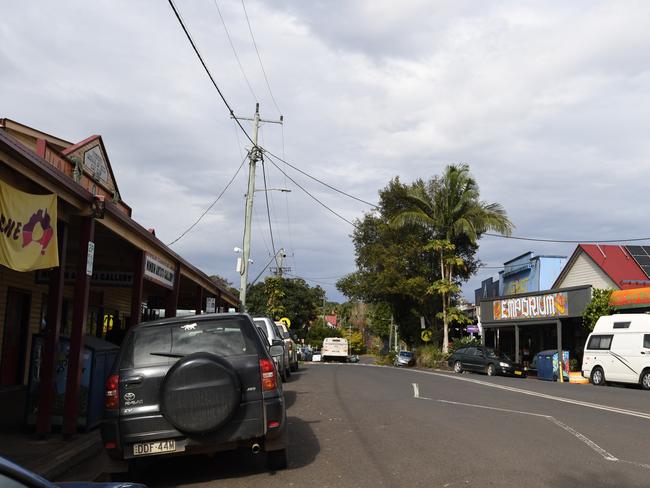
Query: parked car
(305, 353)
(274, 334)
(195, 384)
(404, 358)
(14, 476)
(291, 346)
(484, 360)
(618, 350)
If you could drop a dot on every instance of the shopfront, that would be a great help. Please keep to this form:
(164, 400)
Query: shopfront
(73, 264)
(523, 325)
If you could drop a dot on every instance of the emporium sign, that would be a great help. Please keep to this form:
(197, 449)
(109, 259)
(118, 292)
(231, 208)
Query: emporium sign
(159, 270)
(531, 307)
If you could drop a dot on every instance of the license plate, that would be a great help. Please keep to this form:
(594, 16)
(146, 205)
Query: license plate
(518, 373)
(156, 447)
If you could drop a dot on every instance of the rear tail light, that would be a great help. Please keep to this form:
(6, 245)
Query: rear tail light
(112, 399)
(267, 369)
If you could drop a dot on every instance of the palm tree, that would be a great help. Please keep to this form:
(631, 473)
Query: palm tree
(450, 208)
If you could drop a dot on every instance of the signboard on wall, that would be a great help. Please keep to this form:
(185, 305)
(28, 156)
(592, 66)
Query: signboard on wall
(99, 277)
(531, 307)
(210, 305)
(28, 239)
(159, 270)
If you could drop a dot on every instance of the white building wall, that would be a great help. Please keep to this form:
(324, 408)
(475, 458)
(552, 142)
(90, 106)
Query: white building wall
(585, 272)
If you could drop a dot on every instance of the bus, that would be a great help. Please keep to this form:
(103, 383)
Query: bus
(334, 349)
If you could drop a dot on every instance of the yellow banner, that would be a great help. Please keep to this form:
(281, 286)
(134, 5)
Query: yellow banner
(27, 230)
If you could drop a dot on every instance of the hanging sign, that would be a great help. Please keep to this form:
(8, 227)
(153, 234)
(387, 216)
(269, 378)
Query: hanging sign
(91, 258)
(531, 307)
(159, 270)
(28, 238)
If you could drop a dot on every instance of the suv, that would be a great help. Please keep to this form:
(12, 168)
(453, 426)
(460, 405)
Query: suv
(291, 346)
(196, 384)
(275, 334)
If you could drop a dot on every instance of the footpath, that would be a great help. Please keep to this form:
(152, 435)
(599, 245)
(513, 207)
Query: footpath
(54, 458)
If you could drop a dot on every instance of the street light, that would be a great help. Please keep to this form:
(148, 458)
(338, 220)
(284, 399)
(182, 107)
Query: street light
(283, 190)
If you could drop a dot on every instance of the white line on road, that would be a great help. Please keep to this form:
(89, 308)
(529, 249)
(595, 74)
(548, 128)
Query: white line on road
(581, 437)
(572, 401)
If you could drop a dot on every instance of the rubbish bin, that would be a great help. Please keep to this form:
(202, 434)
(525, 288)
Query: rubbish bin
(547, 365)
(96, 364)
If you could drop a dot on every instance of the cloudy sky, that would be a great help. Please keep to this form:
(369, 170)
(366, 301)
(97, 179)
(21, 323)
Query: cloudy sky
(548, 101)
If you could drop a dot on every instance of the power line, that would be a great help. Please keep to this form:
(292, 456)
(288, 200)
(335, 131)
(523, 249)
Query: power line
(313, 197)
(566, 241)
(234, 51)
(318, 180)
(268, 212)
(207, 70)
(211, 205)
(268, 85)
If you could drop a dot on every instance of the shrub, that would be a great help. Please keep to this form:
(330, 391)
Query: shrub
(430, 357)
(463, 342)
(386, 359)
(573, 365)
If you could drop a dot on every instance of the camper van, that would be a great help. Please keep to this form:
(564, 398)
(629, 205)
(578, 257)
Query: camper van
(618, 350)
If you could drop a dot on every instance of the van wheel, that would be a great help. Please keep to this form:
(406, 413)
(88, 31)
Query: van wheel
(491, 370)
(645, 380)
(597, 377)
(458, 367)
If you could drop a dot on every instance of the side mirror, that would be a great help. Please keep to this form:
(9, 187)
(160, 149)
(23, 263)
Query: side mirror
(276, 350)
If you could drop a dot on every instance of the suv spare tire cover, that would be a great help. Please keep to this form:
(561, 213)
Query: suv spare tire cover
(200, 393)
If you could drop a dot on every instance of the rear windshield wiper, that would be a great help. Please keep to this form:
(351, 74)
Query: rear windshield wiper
(167, 354)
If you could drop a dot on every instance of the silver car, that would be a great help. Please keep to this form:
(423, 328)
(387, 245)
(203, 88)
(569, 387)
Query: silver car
(275, 337)
(404, 358)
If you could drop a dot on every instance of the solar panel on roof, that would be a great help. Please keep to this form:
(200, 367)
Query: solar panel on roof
(641, 255)
(636, 250)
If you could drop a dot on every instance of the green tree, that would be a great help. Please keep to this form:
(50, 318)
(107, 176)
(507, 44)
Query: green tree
(276, 297)
(597, 307)
(450, 208)
(317, 332)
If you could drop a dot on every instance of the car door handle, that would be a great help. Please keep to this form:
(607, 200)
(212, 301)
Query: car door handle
(642, 352)
(133, 380)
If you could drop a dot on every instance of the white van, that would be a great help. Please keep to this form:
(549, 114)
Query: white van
(334, 348)
(618, 350)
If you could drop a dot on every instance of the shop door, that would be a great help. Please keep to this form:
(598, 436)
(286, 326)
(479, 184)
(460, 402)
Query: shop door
(14, 341)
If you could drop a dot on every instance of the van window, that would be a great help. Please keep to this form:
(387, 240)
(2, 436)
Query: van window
(600, 342)
(646, 341)
(621, 325)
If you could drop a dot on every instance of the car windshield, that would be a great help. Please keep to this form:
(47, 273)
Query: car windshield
(406, 354)
(164, 344)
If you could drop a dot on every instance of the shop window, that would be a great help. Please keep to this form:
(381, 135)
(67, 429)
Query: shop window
(600, 342)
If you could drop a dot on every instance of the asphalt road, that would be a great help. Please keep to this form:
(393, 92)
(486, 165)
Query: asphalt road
(357, 425)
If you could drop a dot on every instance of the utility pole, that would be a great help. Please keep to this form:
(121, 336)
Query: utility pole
(254, 155)
(390, 335)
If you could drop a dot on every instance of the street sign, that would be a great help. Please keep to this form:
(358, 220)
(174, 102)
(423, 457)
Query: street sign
(210, 304)
(426, 335)
(422, 324)
(286, 321)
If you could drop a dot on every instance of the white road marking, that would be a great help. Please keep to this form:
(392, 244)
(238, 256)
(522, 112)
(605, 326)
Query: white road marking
(581, 437)
(572, 401)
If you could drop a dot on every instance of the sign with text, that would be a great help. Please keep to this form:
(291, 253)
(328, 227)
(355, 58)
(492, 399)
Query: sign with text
(99, 277)
(159, 270)
(28, 239)
(210, 305)
(531, 307)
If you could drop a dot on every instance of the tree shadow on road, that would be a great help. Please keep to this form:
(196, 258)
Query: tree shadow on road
(173, 471)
